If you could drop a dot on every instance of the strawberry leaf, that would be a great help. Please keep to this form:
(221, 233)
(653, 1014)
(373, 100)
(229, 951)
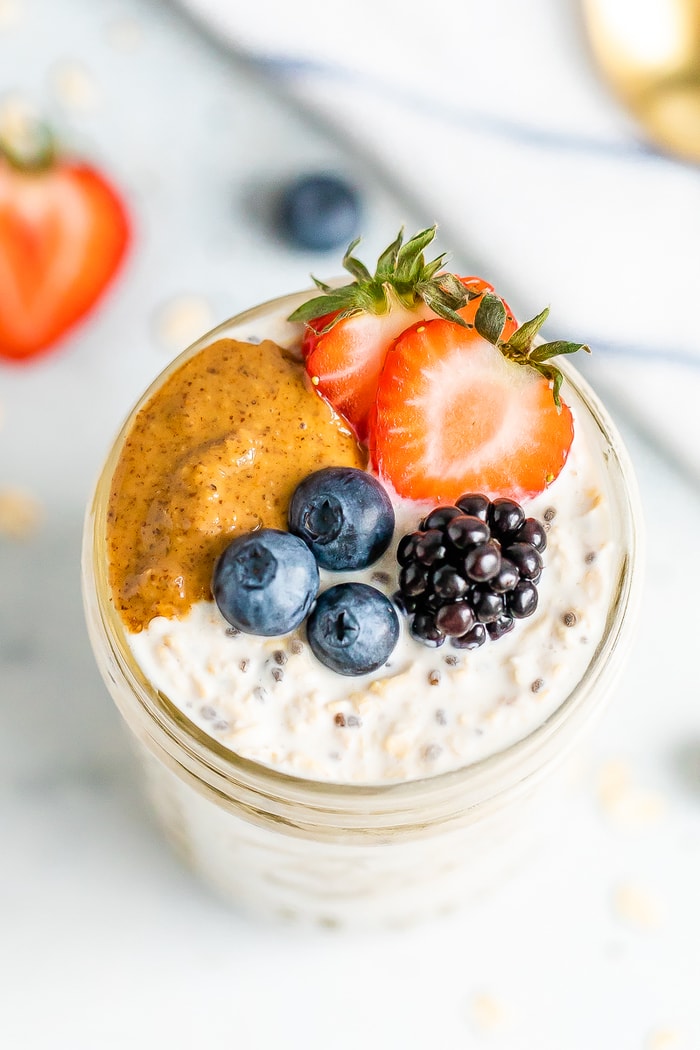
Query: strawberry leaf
(386, 263)
(358, 269)
(401, 272)
(555, 349)
(320, 305)
(522, 339)
(490, 318)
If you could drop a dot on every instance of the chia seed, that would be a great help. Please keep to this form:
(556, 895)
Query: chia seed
(280, 657)
(208, 712)
(451, 660)
(537, 685)
(260, 693)
(221, 725)
(354, 722)
(434, 678)
(440, 717)
(244, 664)
(296, 646)
(569, 619)
(381, 577)
(277, 674)
(340, 719)
(550, 514)
(590, 558)
(232, 632)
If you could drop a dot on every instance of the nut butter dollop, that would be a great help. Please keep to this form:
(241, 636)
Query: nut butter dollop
(220, 447)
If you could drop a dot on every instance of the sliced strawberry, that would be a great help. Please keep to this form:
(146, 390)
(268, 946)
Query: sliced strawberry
(350, 329)
(313, 331)
(63, 233)
(453, 414)
(477, 287)
(347, 360)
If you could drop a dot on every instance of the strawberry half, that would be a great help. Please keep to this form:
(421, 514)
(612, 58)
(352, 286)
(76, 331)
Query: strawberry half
(63, 233)
(350, 329)
(460, 409)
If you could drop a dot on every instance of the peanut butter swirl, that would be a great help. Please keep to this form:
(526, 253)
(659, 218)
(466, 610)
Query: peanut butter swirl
(220, 447)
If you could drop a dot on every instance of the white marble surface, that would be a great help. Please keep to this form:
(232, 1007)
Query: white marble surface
(105, 941)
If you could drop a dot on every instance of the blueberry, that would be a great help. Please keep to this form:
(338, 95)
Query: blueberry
(319, 212)
(353, 628)
(265, 582)
(344, 516)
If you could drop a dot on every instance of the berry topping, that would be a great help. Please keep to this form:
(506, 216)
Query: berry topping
(453, 411)
(472, 639)
(464, 531)
(505, 516)
(265, 582)
(353, 628)
(434, 374)
(350, 329)
(475, 504)
(344, 516)
(483, 581)
(319, 212)
(64, 231)
(531, 531)
(483, 562)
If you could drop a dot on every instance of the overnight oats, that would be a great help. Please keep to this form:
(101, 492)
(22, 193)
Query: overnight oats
(360, 569)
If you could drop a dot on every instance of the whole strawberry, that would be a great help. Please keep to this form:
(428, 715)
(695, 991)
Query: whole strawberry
(63, 235)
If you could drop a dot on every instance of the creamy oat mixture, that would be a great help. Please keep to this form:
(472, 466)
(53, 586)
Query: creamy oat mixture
(428, 710)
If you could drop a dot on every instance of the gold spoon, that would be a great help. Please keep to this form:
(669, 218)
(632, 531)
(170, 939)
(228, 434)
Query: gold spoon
(649, 53)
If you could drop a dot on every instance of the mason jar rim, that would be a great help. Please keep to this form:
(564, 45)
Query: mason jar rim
(232, 780)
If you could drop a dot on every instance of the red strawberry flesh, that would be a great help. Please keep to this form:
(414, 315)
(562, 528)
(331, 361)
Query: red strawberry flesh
(452, 415)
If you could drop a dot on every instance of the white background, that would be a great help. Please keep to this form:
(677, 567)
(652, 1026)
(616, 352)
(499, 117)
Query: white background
(104, 940)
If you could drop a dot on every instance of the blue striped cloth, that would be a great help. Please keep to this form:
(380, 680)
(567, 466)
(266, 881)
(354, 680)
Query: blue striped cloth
(492, 120)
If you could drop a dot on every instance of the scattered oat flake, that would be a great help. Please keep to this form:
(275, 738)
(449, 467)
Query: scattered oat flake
(636, 906)
(74, 86)
(487, 1012)
(622, 800)
(182, 320)
(665, 1039)
(19, 513)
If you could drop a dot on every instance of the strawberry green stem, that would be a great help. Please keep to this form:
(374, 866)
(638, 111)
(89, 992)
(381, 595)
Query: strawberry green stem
(27, 143)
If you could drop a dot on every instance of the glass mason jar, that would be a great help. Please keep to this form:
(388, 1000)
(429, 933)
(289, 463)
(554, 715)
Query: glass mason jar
(333, 854)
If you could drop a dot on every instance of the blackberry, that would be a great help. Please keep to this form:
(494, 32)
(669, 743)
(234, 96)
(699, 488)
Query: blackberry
(470, 571)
